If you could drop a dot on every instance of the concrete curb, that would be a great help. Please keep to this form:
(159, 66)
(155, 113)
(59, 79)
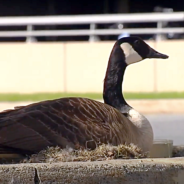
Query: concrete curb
(140, 171)
(143, 106)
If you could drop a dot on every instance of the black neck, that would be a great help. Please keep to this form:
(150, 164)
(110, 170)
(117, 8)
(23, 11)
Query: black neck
(112, 93)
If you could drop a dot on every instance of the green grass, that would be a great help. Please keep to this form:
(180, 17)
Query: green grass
(163, 95)
(48, 96)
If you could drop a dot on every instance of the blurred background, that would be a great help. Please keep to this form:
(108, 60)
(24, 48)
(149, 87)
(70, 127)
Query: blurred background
(58, 46)
(50, 49)
(20, 8)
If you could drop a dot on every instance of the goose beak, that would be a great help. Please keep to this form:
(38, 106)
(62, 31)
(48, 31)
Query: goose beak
(154, 54)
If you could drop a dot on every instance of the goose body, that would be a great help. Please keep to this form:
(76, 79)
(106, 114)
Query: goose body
(81, 122)
(85, 123)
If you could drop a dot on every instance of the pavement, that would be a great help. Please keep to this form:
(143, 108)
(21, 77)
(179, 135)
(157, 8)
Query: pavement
(165, 116)
(172, 106)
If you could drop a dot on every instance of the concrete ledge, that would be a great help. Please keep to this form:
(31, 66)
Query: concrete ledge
(140, 171)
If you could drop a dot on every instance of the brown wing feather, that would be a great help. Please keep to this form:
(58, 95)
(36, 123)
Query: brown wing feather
(76, 122)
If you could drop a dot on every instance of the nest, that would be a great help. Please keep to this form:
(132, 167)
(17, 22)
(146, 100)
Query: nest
(101, 153)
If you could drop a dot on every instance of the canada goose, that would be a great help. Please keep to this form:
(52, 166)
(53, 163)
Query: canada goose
(82, 122)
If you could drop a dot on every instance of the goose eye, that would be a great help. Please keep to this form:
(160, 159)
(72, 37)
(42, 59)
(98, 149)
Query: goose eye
(137, 42)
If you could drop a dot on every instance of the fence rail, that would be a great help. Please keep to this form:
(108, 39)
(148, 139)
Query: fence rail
(91, 20)
(89, 32)
(88, 19)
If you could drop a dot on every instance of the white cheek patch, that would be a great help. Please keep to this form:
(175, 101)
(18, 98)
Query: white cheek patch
(131, 55)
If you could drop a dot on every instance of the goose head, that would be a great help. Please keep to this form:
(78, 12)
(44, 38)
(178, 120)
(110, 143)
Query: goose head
(135, 50)
(126, 51)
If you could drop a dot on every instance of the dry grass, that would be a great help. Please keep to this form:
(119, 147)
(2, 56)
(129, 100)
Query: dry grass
(103, 152)
(178, 151)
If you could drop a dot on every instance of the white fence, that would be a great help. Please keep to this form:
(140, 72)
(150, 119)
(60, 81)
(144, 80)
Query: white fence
(92, 20)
